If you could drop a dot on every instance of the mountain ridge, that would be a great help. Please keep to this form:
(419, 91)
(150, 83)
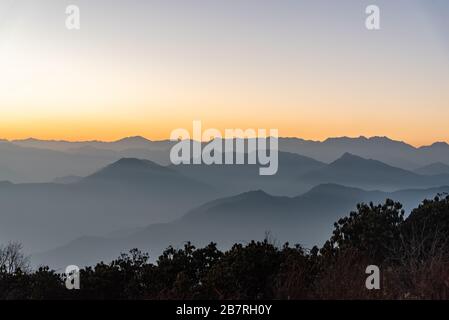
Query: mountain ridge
(306, 219)
(327, 140)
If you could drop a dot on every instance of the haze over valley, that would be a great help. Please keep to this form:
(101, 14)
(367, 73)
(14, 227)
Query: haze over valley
(83, 202)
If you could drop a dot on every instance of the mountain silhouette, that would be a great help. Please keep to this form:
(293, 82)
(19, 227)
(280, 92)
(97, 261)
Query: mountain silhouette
(305, 219)
(27, 164)
(125, 188)
(434, 169)
(392, 152)
(34, 160)
(124, 194)
(396, 153)
(131, 168)
(232, 179)
(147, 176)
(136, 142)
(352, 170)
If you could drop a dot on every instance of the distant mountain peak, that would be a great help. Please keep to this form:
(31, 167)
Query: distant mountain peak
(347, 156)
(440, 144)
(359, 138)
(334, 188)
(338, 139)
(135, 163)
(364, 140)
(130, 167)
(349, 160)
(434, 169)
(256, 193)
(385, 139)
(134, 139)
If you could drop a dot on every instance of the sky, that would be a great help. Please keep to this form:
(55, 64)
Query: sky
(307, 68)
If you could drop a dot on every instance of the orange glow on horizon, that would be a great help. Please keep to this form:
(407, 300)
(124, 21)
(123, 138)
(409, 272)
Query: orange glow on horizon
(160, 129)
(310, 74)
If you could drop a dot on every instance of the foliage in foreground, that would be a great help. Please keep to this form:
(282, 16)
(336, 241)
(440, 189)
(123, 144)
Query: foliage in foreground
(412, 253)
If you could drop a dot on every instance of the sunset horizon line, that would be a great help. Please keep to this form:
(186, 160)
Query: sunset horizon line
(143, 137)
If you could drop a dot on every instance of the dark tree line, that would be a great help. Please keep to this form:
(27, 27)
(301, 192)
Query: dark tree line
(412, 254)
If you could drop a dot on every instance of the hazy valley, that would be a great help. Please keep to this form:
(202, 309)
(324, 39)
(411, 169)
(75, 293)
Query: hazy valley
(78, 202)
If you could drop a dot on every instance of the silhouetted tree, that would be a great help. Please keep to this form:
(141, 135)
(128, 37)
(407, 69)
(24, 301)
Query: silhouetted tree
(374, 230)
(413, 255)
(12, 259)
(245, 272)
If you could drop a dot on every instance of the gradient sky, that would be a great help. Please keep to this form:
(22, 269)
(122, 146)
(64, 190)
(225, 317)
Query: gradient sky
(308, 68)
